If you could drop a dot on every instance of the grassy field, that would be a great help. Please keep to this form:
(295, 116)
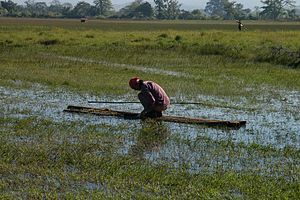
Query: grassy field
(252, 75)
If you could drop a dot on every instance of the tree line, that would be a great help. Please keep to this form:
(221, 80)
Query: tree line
(157, 9)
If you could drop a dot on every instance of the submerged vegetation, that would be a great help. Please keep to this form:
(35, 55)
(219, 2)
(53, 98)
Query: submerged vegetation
(255, 73)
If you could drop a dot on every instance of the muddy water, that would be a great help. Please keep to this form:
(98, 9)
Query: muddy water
(273, 121)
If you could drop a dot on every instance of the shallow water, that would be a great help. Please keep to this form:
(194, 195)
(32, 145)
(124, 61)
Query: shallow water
(271, 122)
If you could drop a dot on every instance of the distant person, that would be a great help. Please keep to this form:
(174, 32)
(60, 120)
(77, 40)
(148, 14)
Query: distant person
(83, 19)
(153, 98)
(240, 24)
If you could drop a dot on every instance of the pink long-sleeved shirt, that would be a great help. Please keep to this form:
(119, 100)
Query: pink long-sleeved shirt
(154, 94)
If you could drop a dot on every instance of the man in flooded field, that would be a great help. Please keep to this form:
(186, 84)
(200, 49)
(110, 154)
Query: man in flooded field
(153, 98)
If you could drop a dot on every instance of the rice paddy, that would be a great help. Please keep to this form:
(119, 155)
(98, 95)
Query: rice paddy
(47, 65)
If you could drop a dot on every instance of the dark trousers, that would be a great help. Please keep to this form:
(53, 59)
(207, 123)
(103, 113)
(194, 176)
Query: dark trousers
(156, 109)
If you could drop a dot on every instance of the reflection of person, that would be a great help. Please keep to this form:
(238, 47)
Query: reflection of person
(151, 137)
(153, 98)
(240, 24)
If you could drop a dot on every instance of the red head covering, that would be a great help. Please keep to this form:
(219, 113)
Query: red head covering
(134, 83)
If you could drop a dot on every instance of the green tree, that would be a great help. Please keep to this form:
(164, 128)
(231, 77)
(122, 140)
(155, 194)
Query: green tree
(3, 11)
(229, 10)
(160, 8)
(198, 14)
(291, 14)
(41, 9)
(226, 9)
(130, 11)
(240, 12)
(173, 9)
(216, 8)
(194, 14)
(167, 9)
(8, 7)
(257, 11)
(137, 9)
(55, 7)
(145, 10)
(36, 9)
(67, 9)
(185, 14)
(274, 9)
(30, 7)
(81, 9)
(103, 6)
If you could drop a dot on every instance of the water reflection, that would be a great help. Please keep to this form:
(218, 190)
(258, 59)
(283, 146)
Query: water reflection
(151, 137)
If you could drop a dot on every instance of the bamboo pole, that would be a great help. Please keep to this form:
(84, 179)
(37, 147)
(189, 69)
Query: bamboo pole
(134, 102)
(176, 119)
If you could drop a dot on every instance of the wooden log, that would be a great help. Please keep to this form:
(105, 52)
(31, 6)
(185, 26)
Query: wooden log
(130, 115)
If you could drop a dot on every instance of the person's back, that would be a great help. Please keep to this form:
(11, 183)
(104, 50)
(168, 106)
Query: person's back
(159, 95)
(152, 96)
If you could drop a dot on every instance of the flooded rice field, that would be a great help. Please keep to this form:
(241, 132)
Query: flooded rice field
(271, 123)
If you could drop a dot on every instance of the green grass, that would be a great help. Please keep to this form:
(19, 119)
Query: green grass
(68, 160)
(40, 158)
(217, 63)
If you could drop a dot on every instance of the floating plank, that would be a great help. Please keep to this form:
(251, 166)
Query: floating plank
(130, 115)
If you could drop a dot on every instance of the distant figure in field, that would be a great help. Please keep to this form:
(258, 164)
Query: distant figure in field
(153, 98)
(83, 19)
(240, 24)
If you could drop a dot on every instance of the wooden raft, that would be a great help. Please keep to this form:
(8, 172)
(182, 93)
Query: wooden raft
(130, 115)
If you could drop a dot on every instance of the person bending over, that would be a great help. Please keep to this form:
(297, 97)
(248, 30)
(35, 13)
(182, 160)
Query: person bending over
(153, 98)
